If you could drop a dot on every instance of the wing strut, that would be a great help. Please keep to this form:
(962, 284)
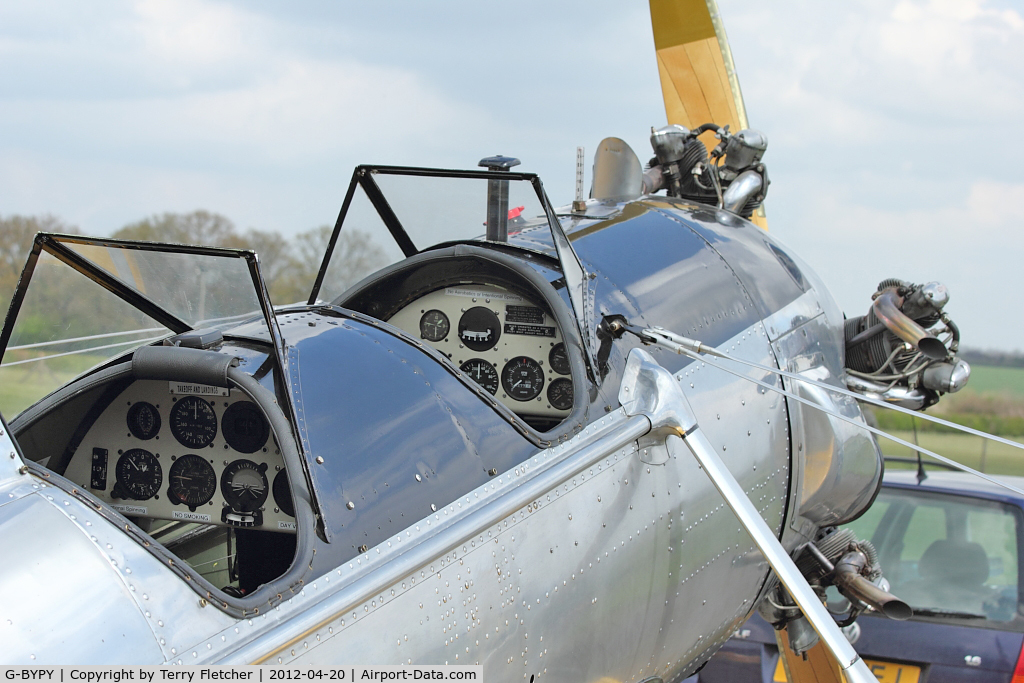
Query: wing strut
(648, 388)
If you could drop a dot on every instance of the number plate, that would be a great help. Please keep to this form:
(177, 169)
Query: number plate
(885, 672)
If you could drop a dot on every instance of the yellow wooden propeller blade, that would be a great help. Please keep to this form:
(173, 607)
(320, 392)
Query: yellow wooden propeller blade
(698, 77)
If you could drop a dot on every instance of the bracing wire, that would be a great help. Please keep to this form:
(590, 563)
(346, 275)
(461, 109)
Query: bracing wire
(652, 333)
(91, 337)
(72, 353)
(681, 349)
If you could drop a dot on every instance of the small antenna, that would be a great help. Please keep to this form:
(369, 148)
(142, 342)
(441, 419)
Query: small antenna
(579, 205)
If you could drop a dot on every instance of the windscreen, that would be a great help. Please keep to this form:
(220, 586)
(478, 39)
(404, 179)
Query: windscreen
(430, 210)
(201, 290)
(67, 324)
(442, 209)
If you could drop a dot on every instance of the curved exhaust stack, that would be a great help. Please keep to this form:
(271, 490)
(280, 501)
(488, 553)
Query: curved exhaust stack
(887, 307)
(746, 186)
(851, 584)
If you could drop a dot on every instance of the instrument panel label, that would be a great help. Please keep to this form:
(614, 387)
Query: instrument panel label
(477, 294)
(530, 315)
(131, 509)
(191, 516)
(530, 330)
(287, 526)
(198, 389)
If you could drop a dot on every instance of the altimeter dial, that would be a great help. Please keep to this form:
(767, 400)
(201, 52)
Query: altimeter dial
(138, 474)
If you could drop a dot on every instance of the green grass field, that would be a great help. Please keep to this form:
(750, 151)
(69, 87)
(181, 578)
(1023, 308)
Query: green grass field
(993, 458)
(987, 379)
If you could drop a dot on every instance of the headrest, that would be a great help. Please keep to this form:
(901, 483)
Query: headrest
(956, 562)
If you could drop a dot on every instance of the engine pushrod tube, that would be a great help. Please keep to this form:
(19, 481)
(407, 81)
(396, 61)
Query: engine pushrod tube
(886, 307)
(660, 336)
(853, 666)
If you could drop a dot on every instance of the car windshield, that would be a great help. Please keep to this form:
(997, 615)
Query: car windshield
(945, 552)
(87, 301)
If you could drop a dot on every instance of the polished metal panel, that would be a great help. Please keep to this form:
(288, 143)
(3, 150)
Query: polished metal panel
(37, 623)
(618, 175)
(663, 401)
(463, 539)
(839, 465)
(770, 274)
(520, 587)
(119, 604)
(793, 315)
(397, 398)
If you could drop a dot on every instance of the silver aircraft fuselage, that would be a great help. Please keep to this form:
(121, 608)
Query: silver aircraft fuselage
(608, 553)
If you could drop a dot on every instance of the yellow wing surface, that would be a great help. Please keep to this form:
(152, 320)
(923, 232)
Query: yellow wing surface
(698, 77)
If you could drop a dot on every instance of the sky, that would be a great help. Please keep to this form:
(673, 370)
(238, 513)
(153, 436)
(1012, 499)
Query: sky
(894, 127)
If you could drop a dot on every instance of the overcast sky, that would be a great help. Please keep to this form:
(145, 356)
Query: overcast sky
(894, 127)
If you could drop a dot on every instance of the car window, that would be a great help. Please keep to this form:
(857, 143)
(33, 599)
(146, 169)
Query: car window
(946, 552)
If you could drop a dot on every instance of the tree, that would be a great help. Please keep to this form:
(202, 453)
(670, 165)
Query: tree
(355, 256)
(199, 227)
(16, 235)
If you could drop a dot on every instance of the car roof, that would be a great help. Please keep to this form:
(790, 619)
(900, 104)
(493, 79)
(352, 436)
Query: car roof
(962, 483)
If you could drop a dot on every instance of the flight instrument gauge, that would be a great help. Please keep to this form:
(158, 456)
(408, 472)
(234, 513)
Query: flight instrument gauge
(143, 420)
(138, 474)
(193, 422)
(560, 393)
(522, 378)
(283, 494)
(481, 372)
(192, 481)
(244, 427)
(558, 359)
(244, 485)
(479, 328)
(434, 325)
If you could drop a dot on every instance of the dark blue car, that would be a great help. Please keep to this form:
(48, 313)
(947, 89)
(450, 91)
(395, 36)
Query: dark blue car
(950, 546)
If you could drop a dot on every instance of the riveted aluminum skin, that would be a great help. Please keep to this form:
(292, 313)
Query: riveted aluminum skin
(608, 553)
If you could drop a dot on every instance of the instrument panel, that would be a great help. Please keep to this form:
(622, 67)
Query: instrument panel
(504, 342)
(187, 452)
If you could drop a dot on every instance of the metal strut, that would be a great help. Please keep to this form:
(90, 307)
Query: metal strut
(649, 389)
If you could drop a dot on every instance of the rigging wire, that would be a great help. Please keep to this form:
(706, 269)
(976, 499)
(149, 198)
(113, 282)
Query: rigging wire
(71, 353)
(686, 343)
(89, 338)
(684, 350)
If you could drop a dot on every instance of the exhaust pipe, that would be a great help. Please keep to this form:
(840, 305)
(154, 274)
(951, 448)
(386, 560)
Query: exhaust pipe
(886, 307)
(851, 584)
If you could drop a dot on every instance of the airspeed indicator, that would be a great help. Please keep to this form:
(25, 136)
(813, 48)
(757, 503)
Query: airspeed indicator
(481, 372)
